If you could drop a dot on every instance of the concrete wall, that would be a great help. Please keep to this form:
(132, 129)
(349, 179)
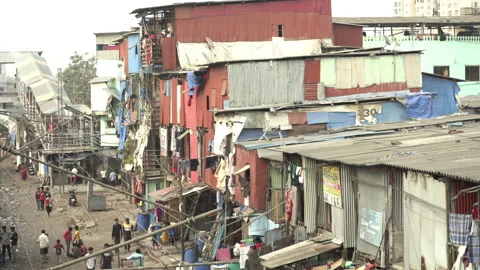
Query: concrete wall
(425, 222)
(108, 134)
(456, 52)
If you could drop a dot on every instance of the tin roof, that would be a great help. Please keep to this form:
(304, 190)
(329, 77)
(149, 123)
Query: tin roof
(169, 4)
(170, 193)
(434, 150)
(408, 21)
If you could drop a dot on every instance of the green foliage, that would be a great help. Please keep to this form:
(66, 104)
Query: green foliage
(76, 76)
(129, 151)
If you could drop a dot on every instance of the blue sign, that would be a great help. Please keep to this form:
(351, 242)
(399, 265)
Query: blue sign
(371, 223)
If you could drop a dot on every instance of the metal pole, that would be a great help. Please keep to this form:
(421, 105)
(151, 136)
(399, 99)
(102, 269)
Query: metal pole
(184, 265)
(90, 184)
(136, 239)
(14, 152)
(182, 258)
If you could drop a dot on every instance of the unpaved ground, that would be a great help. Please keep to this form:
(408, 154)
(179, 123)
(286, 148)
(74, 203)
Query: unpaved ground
(18, 207)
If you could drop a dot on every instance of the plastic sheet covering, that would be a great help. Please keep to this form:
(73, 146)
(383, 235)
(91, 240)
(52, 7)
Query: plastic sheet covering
(194, 80)
(192, 55)
(420, 106)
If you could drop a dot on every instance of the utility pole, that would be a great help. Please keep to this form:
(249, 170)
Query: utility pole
(181, 219)
(92, 145)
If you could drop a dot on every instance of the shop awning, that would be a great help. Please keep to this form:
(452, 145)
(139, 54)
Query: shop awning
(170, 193)
(301, 251)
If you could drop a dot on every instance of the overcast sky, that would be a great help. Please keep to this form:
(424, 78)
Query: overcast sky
(59, 27)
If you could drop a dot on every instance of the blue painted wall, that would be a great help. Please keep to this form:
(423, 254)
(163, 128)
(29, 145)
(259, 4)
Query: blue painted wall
(444, 103)
(134, 54)
(334, 120)
(392, 112)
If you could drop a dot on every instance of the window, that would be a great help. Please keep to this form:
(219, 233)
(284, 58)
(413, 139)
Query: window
(442, 70)
(472, 73)
(280, 30)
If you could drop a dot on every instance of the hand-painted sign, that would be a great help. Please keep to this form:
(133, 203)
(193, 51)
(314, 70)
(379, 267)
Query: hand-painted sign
(371, 223)
(332, 190)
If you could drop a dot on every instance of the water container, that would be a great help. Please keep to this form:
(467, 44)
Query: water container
(223, 254)
(143, 222)
(200, 242)
(201, 267)
(152, 217)
(234, 266)
(191, 255)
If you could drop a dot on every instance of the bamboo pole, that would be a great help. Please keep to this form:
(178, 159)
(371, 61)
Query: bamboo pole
(136, 239)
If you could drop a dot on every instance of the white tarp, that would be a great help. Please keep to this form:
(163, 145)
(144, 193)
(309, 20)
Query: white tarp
(192, 55)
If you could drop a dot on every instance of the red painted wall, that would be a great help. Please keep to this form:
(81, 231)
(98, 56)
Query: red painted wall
(258, 178)
(463, 205)
(301, 19)
(377, 88)
(347, 35)
(123, 50)
(169, 55)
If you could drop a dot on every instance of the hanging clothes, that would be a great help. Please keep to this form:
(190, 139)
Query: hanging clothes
(193, 165)
(221, 176)
(459, 227)
(293, 175)
(475, 211)
(300, 175)
(288, 207)
(294, 196)
(210, 161)
(473, 245)
(219, 199)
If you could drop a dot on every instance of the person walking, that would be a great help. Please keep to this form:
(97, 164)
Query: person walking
(67, 236)
(58, 250)
(117, 234)
(106, 258)
(113, 178)
(37, 198)
(127, 233)
(23, 171)
(103, 174)
(76, 235)
(5, 241)
(14, 242)
(91, 261)
(42, 198)
(74, 177)
(48, 205)
(43, 242)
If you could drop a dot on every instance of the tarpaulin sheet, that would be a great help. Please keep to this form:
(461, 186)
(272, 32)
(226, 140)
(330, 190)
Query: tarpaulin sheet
(420, 106)
(193, 81)
(444, 103)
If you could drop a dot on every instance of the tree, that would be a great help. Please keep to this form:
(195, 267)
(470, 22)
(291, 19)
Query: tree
(76, 76)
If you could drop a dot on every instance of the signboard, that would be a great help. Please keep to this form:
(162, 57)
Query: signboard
(332, 190)
(371, 223)
(163, 142)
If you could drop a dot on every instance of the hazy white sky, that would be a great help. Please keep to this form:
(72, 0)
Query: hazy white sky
(59, 27)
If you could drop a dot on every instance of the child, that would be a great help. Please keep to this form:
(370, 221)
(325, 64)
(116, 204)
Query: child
(58, 250)
(155, 244)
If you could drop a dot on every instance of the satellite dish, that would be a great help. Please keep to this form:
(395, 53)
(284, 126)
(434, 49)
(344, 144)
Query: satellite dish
(210, 43)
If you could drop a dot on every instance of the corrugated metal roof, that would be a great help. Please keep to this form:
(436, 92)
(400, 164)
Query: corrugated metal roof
(408, 21)
(424, 122)
(309, 138)
(429, 150)
(171, 193)
(269, 154)
(471, 102)
(33, 70)
(300, 251)
(167, 4)
(100, 79)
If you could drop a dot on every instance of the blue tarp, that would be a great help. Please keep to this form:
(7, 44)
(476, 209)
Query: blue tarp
(193, 81)
(334, 120)
(444, 103)
(420, 106)
(392, 112)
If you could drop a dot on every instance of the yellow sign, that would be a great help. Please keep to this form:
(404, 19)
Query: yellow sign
(332, 190)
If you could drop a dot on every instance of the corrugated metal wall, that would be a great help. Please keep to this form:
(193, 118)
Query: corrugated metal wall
(348, 181)
(134, 52)
(108, 55)
(124, 54)
(266, 82)
(169, 53)
(275, 174)
(397, 199)
(310, 183)
(347, 35)
(463, 205)
(301, 19)
(212, 95)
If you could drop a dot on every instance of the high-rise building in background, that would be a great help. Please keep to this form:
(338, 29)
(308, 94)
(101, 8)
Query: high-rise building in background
(409, 8)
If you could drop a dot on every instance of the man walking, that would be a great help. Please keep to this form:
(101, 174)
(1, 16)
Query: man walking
(67, 236)
(74, 177)
(42, 198)
(5, 240)
(92, 261)
(14, 242)
(43, 242)
(116, 234)
(103, 173)
(113, 178)
(127, 233)
(37, 198)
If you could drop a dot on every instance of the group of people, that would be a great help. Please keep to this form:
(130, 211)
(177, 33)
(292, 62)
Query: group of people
(8, 242)
(114, 177)
(44, 199)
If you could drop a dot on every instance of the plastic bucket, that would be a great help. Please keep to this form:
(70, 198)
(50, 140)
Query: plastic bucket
(143, 222)
(201, 267)
(200, 242)
(191, 255)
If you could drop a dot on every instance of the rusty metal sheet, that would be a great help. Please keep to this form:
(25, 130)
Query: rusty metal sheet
(169, 53)
(347, 35)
